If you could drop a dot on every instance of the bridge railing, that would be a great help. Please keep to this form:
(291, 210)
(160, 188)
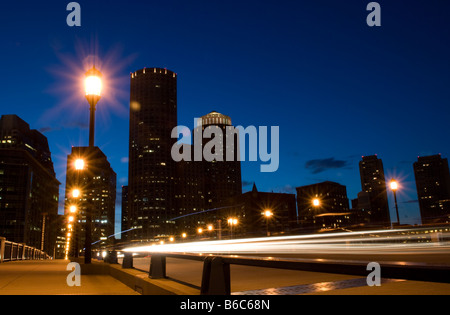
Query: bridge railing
(216, 279)
(10, 251)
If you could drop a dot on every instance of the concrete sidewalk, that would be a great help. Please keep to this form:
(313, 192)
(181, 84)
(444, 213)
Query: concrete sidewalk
(48, 277)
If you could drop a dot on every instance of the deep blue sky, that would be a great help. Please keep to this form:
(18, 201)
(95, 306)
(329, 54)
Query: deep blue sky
(337, 88)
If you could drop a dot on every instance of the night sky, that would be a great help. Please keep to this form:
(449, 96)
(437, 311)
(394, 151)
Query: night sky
(337, 88)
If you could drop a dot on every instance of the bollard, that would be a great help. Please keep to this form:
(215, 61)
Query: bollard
(127, 262)
(114, 257)
(111, 257)
(206, 275)
(216, 277)
(158, 267)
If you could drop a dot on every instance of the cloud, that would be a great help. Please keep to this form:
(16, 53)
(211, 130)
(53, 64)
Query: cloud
(246, 183)
(319, 166)
(70, 125)
(286, 189)
(46, 129)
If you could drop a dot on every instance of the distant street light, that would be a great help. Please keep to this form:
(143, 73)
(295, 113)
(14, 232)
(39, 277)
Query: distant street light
(76, 193)
(394, 187)
(231, 222)
(267, 214)
(316, 202)
(79, 164)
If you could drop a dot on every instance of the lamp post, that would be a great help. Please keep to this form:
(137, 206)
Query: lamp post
(231, 222)
(394, 187)
(93, 90)
(267, 214)
(317, 203)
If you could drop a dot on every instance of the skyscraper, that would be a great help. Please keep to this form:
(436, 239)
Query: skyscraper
(152, 171)
(373, 182)
(29, 190)
(206, 183)
(433, 188)
(222, 177)
(125, 216)
(97, 186)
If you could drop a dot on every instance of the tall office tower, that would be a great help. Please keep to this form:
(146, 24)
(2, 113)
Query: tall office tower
(433, 188)
(29, 190)
(323, 205)
(190, 196)
(125, 216)
(96, 184)
(152, 171)
(373, 182)
(222, 177)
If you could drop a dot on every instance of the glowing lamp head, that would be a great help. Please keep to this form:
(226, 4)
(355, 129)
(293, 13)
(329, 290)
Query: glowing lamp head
(210, 227)
(79, 164)
(394, 185)
(184, 235)
(76, 193)
(73, 209)
(316, 202)
(232, 221)
(268, 213)
(93, 83)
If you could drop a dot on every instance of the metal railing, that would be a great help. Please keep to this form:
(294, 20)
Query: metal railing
(216, 278)
(10, 251)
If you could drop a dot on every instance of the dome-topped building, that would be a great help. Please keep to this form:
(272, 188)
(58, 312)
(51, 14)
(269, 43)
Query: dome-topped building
(215, 118)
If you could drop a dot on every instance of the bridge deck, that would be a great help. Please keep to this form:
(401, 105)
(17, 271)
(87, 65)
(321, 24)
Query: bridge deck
(48, 277)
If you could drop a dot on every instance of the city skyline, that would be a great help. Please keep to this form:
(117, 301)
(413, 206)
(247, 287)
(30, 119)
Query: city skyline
(322, 106)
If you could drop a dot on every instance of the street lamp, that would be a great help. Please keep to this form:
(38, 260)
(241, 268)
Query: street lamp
(267, 214)
(316, 202)
(231, 222)
(394, 187)
(93, 90)
(76, 193)
(79, 164)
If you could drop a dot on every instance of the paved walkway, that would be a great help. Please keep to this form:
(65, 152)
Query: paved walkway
(48, 277)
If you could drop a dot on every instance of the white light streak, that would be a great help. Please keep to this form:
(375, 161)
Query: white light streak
(367, 242)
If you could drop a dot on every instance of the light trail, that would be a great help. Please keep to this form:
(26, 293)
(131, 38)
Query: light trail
(413, 241)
